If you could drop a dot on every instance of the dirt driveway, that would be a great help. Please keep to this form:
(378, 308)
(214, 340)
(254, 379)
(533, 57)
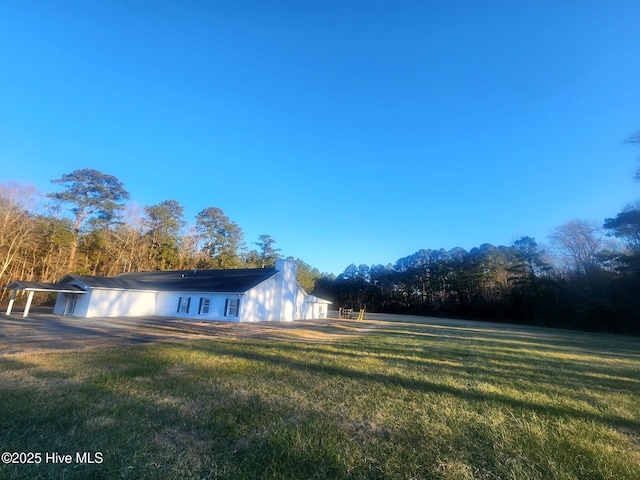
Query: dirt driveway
(42, 331)
(46, 332)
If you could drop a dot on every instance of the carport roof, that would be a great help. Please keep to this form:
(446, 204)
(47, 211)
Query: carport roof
(44, 287)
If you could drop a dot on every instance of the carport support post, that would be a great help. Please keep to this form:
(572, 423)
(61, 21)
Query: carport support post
(28, 305)
(10, 306)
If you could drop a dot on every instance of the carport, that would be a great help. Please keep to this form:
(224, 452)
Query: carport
(32, 287)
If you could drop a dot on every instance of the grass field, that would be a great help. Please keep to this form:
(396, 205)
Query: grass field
(390, 397)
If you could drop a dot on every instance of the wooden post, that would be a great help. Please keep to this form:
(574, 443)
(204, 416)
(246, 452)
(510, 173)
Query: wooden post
(11, 300)
(28, 305)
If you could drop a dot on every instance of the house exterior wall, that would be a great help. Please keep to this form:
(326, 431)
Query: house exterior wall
(294, 303)
(300, 303)
(279, 298)
(107, 303)
(198, 305)
(82, 302)
(258, 304)
(316, 310)
(121, 303)
(287, 291)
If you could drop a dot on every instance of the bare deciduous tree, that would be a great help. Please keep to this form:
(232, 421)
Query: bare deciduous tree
(635, 140)
(16, 222)
(578, 242)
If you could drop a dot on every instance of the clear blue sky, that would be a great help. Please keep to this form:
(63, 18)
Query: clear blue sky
(349, 131)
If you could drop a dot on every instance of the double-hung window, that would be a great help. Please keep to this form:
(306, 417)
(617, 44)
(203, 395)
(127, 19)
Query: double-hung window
(183, 304)
(232, 307)
(205, 306)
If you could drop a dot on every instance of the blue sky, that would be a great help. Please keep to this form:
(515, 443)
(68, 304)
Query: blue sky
(351, 132)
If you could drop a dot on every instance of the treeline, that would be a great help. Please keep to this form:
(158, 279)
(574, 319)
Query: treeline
(592, 290)
(105, 235)
(588, 278)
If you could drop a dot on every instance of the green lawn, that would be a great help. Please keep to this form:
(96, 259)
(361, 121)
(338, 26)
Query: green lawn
(375, 399)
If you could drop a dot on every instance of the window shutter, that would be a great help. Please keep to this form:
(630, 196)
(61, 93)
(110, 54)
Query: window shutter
(238, 308)
(188, 304)
(226, 307)
(179, 303)
(200, 306)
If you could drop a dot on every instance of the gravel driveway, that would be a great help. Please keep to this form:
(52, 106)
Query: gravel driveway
(46, 332)
(43, 331)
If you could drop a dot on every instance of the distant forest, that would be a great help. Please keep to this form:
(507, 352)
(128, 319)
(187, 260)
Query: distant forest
(589, 279)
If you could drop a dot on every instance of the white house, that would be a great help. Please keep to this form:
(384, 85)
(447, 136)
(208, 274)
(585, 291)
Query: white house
(241, 295)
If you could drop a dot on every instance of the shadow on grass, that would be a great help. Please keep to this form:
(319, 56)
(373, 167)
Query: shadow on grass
(258, 352)
(496, 364)
(213, 408)
(151, 422)
(11, 363)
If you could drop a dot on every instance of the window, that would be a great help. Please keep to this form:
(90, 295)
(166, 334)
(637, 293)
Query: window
(205, 305)
(183, 304)
(232, 307)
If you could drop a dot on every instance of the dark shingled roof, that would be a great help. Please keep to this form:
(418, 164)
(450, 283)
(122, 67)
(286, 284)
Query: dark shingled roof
(227, 281)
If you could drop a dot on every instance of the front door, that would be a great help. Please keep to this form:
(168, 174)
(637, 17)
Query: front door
(70, 304)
